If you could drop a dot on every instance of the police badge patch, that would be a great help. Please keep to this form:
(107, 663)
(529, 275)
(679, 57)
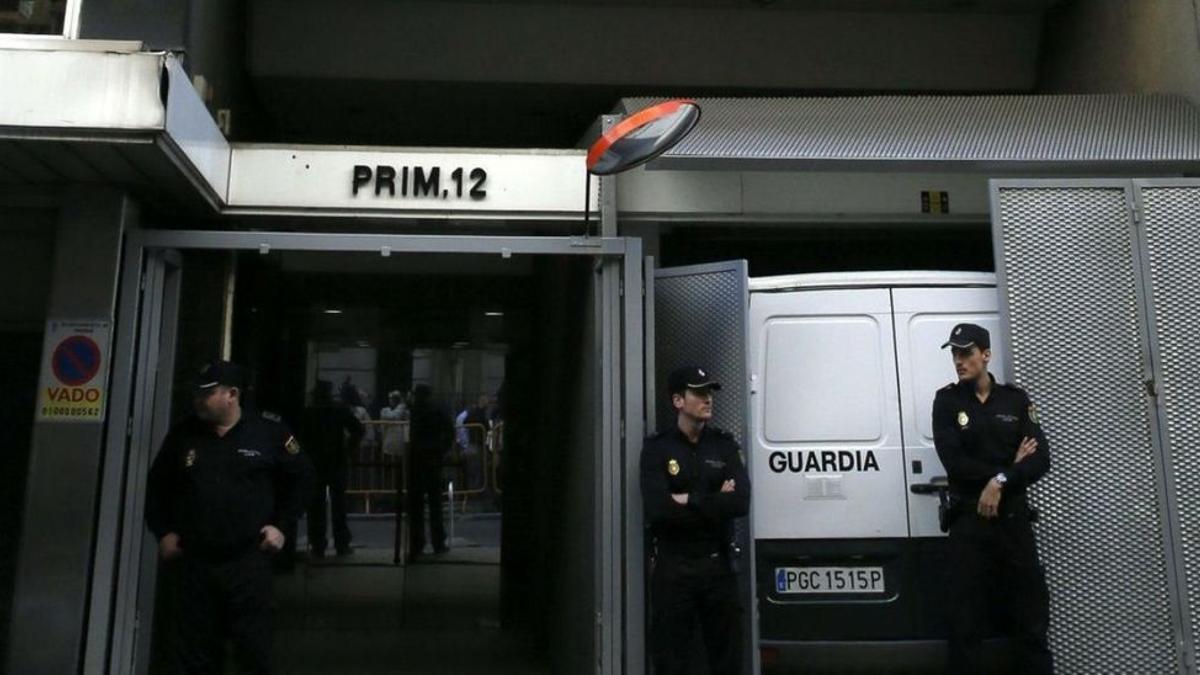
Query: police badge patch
(190, 458)
(673, 468)
(1033, 416)
(292, 446)
(963, 420)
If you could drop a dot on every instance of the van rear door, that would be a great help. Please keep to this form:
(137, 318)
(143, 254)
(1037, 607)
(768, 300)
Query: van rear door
(827, 451)
(924, 318)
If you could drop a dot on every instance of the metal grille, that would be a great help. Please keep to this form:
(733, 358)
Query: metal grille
(699, 319)
(1173, 247)
(1066, 264)
(1067, 128)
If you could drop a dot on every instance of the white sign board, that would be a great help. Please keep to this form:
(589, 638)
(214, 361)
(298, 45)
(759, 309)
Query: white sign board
(443, 183)
(74, 382)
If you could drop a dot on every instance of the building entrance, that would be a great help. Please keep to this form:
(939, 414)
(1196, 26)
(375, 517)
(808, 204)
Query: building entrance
(519, 341)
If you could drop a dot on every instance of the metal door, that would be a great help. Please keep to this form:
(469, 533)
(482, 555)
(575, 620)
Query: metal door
(700, 317)
(1167, 212)
(827, 445)
(924, 318)
(126, 551)
(1074, 309)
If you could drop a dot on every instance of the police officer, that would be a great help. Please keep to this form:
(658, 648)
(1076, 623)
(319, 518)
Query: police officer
(694, 484)
(222, 491)
(432, 434)
(990, 442)
(331, 432)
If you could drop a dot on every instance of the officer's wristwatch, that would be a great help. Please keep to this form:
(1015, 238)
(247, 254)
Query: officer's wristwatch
(1000, 478)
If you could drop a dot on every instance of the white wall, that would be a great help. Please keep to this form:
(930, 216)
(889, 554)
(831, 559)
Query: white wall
(1123, 46)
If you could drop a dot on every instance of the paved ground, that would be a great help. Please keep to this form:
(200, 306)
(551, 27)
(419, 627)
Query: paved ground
(360, 615)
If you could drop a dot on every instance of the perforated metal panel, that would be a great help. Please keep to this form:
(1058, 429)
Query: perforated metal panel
(1066, 264)
(700, 318)
(1171, 216)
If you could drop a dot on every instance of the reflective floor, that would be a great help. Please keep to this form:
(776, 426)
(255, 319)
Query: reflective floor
(361, 615)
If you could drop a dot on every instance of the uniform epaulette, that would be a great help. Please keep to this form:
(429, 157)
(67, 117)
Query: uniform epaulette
(948, 387)
(271, 417)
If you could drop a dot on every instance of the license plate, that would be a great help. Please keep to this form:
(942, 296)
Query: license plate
(800, 580)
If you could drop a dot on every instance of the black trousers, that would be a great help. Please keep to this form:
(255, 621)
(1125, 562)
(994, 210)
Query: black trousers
(690, 590)
(333, 477)
(425, 488)
(224, 599)
(995, 560)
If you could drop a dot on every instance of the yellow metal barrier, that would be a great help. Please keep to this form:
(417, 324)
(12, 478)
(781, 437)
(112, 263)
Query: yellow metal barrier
(379, 465)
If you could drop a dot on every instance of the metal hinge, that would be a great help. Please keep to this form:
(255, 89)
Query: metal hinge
(622, 429)
(621, 288)
(1135, 214)
(142, 282)
(1151, 387)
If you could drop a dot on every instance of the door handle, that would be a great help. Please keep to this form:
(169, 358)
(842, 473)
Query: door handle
(937, 484)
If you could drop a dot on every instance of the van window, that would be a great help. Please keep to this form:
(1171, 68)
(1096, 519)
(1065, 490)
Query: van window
(822, 379)
(932, 367)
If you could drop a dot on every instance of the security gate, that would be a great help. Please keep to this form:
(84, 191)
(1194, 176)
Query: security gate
(123, 576)
(1099, 284)
(701, 317)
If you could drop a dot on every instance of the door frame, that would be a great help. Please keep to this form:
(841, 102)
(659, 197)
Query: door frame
(113, 622)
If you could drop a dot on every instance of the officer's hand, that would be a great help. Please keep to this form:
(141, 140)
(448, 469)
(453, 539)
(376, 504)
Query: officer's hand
(680, 499)
(989, 500)
(272, 539)
(168, 547)
(1027, 447)
(728, 486)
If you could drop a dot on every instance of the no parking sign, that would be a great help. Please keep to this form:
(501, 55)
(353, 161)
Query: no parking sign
(74, 372)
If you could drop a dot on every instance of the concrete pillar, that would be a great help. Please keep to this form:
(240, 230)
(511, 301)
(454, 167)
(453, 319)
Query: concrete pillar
(58, 526)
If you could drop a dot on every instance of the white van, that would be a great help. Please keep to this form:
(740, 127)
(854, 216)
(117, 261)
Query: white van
(850, 560)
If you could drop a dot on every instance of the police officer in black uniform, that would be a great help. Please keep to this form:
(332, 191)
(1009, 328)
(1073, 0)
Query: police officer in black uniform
(331, 433)
(222, 491)
(990, 442)
(694, 484)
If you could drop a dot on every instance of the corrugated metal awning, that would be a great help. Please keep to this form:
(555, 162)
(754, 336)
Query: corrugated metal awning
(1072, 132)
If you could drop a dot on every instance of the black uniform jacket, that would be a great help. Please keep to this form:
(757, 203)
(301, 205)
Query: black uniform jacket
(976, 441)
(217, 492)
(330, 432)
(671, 464)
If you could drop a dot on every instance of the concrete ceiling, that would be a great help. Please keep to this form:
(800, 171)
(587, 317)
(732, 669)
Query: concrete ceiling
(523, 73)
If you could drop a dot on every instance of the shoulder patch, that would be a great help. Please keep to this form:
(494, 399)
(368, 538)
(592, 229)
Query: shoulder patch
(292, 446)
(949, 387)
(271, 417)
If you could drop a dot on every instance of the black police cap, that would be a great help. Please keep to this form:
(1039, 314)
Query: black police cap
(690, 377)
(967, 335)
(219, 372)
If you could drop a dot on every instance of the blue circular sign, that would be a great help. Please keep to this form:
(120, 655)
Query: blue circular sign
(76, 360)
